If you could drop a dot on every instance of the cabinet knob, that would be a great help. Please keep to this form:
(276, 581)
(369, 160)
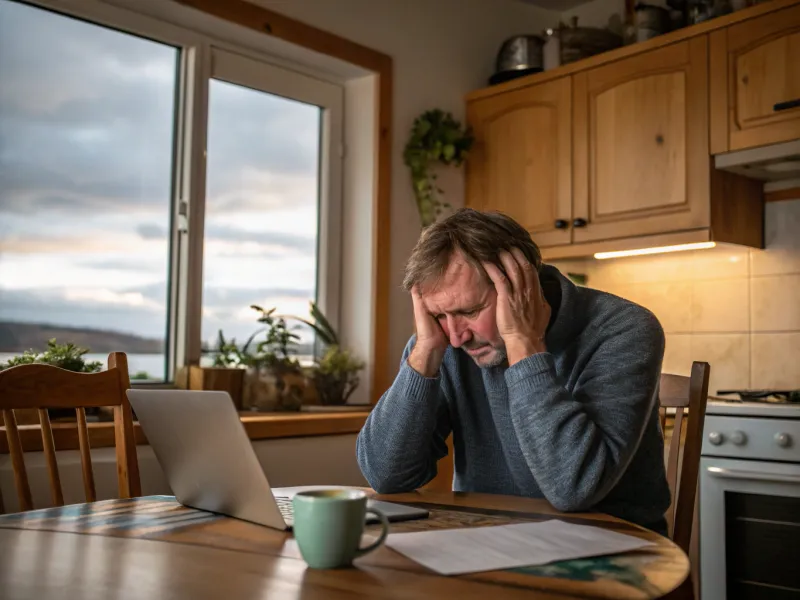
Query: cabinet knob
(784, 440)
(561, 224)
(716, 438)
(579, 222)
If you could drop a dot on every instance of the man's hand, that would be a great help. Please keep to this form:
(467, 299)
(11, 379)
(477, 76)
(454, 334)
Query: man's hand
(522, 312)
(428, 352)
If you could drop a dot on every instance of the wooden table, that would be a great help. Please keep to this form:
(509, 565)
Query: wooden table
(152, 547)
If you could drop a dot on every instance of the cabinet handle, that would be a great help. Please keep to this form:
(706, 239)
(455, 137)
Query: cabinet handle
(579, 222)
(561, 224)
(786, 105)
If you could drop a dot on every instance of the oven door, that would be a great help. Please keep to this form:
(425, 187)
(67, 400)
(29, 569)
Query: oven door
(749, 529)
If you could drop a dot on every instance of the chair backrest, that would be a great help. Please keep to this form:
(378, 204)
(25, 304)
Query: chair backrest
(41, 387)
(681, 393)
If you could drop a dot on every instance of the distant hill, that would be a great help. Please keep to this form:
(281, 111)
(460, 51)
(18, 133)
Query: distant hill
(16, 337)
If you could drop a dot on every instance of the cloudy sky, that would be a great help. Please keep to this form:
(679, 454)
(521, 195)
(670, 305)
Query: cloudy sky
(86, 136)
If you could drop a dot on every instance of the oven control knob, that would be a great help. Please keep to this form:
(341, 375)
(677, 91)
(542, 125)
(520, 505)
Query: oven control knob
(739, 438)
(784, 440)
(716, 438)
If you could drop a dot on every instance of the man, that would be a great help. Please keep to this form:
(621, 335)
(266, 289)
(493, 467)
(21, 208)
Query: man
(549, 389)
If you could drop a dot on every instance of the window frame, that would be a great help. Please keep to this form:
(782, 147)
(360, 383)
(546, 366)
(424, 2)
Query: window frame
(183, 342)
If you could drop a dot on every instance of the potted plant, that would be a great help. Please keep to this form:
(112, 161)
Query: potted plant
(335, 374)
(226, 373)
(436, 138)
(274, 379)
(66, 356)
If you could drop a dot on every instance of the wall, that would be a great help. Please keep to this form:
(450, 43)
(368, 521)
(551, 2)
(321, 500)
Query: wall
(441, 50)
(322, 460)
(736, 308)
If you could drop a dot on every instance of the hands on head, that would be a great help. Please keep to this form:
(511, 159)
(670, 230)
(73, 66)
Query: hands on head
(522, 312)
(521, 315)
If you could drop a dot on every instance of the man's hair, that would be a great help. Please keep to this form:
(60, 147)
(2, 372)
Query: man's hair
(478, 236)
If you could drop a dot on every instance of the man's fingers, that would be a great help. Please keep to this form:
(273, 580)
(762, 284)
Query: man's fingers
(529, 274)
(513, 270)
(496, 275)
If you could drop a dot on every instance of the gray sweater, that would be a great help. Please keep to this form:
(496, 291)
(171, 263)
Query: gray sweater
(577, 425)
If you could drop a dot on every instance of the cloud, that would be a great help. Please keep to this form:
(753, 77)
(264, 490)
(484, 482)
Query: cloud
(142, 310)
(53, 306)
(288, 241)
(86, 121)
(151, 231)
(86, 139)
(134, 263)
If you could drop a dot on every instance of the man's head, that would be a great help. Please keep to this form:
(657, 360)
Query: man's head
(446, 268)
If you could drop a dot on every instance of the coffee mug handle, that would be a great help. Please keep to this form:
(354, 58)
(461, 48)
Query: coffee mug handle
(381, 539)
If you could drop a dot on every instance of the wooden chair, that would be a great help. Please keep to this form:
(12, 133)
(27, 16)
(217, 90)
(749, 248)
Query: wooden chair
(43, 386)
(681, 393)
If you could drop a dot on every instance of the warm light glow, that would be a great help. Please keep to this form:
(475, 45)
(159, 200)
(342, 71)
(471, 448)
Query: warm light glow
(658, 250)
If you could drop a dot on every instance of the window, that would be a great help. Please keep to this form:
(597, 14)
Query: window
(86, 144)
(267, 134)
(144, 167)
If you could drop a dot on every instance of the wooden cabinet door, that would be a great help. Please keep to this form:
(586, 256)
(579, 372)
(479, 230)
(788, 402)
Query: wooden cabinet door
(520, 163)
(641, 144)
(758, 89)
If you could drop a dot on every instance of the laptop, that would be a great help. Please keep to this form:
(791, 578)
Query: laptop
(211, 465)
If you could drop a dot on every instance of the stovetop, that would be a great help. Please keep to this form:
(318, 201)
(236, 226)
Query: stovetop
(779, 410)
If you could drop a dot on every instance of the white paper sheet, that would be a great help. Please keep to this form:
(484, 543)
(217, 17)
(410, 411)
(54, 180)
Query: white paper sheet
(458, 551)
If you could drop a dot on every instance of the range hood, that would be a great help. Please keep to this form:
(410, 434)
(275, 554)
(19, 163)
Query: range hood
(774, 163)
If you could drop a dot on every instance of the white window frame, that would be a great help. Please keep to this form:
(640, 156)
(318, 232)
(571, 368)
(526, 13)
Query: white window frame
(202, 57)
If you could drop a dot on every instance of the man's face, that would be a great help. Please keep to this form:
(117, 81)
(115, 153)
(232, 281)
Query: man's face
(464, 304)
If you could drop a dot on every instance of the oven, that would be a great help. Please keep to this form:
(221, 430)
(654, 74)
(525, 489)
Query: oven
(750, 502)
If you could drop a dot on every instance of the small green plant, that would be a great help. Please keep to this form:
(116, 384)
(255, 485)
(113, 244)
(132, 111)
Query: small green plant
(66, 356)
(335, 373)
(229, 355)
(141, 376)
(323, 328)
(277, 349)
(436, 137)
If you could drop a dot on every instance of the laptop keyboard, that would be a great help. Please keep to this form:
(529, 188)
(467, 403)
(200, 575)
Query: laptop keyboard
(286, 508)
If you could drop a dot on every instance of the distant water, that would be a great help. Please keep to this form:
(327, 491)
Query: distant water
(152, 364)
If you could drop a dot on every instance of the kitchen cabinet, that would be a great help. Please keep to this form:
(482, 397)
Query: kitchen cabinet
(616, 151)
(520, 163)
(640, 133)
(755, 85)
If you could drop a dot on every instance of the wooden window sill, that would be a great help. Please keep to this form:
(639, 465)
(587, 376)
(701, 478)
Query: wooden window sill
(257, 426)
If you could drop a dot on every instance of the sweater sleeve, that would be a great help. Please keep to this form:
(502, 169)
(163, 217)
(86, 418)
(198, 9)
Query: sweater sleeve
(578, 445)
(405, 434)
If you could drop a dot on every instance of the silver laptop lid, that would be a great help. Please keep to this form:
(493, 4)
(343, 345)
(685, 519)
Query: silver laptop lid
(205, 453)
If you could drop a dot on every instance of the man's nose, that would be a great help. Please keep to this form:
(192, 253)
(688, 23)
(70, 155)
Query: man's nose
(459, 334)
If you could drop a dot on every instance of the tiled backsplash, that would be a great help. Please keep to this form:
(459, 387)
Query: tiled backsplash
(736, 308)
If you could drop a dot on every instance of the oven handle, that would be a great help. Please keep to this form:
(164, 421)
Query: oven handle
(752, 475)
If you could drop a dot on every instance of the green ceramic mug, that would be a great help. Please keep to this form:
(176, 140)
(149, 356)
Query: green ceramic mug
(328, 525)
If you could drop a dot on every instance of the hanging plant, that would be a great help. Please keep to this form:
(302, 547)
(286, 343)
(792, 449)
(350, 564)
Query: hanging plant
(436, 137)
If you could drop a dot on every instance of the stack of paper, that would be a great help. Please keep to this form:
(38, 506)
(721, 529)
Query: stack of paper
(458, 551)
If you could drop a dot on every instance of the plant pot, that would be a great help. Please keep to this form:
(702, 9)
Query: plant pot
(221, 379)
(333, 389)
(268, 389)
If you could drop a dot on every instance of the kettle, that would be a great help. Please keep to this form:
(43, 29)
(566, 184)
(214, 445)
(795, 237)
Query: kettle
(518, 56)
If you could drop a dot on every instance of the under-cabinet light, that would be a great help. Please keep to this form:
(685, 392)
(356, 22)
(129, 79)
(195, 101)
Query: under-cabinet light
(657, 250)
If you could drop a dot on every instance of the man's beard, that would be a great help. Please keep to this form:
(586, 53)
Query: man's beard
(497, 358)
